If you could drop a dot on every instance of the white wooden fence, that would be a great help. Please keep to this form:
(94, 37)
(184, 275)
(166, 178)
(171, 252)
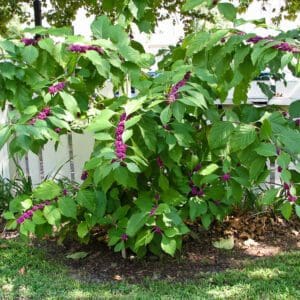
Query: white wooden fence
(75, 149)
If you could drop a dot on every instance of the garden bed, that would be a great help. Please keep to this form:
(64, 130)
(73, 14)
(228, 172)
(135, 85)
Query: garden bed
(255, 236)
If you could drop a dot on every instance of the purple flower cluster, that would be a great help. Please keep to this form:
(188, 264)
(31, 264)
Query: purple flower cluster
(53, 89)
(153, 210)
(225, 177)
(124, 237)
(120, 146)
(157, 230)
(29, 213)
(42, 115)
(57, 130)
(173, 95)
(196, 191)
(84, 175)
(84, 48)
(283, 46)
(30, 42)
(159, 162)
(297, 122)
(289, 196)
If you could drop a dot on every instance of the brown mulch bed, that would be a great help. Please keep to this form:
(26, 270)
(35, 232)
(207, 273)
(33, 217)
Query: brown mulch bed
(255, 236)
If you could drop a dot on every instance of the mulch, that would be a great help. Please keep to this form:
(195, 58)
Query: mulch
(255, 236)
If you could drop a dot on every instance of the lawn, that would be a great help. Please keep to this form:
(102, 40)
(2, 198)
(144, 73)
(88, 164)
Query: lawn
(27, 273)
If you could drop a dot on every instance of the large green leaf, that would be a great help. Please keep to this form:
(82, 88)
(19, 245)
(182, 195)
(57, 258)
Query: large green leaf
(30, 54)
(52, 214)
(219, 134)
(70, 102)
(4, 135)
(190, 4)
(265, 149)
(294, 109)
(82, 229)
(47, 190)
(286, 209)
(136, 222)
(243, 136)
(227, 10)
(269, 196)
(87, 199)
(198, 207)
(101, 64)
(168, 245)
(67, 207)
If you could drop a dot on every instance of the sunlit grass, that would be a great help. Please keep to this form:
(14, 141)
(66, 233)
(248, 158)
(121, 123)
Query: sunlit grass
(26, 273)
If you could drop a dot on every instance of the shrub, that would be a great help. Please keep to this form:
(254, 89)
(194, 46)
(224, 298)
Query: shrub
(171, 154)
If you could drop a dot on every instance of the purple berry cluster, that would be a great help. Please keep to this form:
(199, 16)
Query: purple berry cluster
(84, 48)
(159, 162)
(29, 213)
(120, 146)
(157, 229)
(42, 115)
(54, 89)
(289, 196)
(30, 42)
(297, 122)
(195, 190)
(124, 237)
(283, 46)
(225, 177)
(173, 95)
(84, 175)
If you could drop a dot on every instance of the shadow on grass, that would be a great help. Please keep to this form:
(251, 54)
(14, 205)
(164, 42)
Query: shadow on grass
(26, 273)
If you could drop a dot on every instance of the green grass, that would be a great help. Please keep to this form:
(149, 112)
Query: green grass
(273, 278)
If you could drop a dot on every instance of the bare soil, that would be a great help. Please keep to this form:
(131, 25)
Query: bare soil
(255, 236)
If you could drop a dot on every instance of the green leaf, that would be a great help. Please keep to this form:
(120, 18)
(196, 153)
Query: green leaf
(206, 221)
(283, 160)
(27, 226)
(38, 218)
(297, 210)
(168, 245)
(294, 109)
(87, 199)
(242, 137)
(52, 215)
(101, 203)
(82, 229)
(163, 182)
(286, 209)
(67, 207)
(286, 175)
(77, 255)
(198, 207)
(47, 190)
(166, 114)
(30, 54)
(257, 167)
(5, 133)
(219, 134)
(70, 102)
(265, 149)
(266, 130)
(133, 168)
(269, 196)
(136, 222)
(190, 4)
(132, 106)
(227, 10)
(8, 215)
(144, 238)
(223, 243)
(209, 169)
(101, 64)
